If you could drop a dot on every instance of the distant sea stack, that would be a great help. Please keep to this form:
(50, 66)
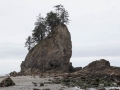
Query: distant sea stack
(51, 54)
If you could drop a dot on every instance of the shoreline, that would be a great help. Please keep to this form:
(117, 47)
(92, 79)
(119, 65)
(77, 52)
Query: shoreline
(27, 83)
(31, 83)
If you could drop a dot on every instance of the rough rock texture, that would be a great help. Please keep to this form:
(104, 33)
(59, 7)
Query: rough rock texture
(73, 69)
(97, 65)
(102, 67)
(51, 54)
(7, 82)
(14, 74)
(97, 74)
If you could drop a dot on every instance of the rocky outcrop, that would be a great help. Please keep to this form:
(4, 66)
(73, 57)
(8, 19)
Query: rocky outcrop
(98, 74)
(97, 65)
(100, 67)
(52, 53)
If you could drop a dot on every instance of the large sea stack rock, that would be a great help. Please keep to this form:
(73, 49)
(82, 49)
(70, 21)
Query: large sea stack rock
(52, 53)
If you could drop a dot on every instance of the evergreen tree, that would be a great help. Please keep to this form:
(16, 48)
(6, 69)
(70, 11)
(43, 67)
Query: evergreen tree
(52, 19)
(29, 43)
(43, 26)
(40, 29)
(62, 14)
(55, 18)
(58, 9)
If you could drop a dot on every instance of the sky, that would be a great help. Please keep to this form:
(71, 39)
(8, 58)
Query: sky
(94, 27)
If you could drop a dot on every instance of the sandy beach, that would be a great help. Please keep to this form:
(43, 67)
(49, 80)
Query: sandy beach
(26, 83)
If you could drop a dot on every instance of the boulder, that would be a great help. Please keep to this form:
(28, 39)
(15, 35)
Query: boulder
(14, 74)
(7, 82)
(51, 54)
(41, 84)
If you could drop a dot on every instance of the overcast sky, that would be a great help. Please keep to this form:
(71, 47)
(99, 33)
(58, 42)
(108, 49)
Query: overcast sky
(94, 28)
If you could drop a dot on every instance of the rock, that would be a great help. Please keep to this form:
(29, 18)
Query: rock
(114, 85)
(73, 69)
(77, 69)
(52, 53)
(36, 89)
(14, 74)
(61, 89)
(7, 82)
(98, 65)
(98, 74)
(114, 89)
(34, 83)
(101, 68)
(56, 81)
(41, 84)
(46, 89)
(49, 80)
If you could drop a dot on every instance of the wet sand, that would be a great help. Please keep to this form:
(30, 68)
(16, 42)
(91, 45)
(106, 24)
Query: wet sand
(26, 83)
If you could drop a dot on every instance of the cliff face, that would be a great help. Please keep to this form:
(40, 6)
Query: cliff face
(51, 54)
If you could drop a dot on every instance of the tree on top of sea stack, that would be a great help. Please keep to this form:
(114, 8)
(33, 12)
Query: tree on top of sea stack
(43, 26)
(62, 14)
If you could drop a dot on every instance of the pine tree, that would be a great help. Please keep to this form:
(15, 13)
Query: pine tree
(29, 43)
(39, 32)
(43, 26)
(62, 14)
(52, 19)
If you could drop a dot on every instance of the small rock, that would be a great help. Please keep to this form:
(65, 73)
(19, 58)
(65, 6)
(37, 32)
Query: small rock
(41, 84)
(46, 89)
(36, 89)
(101, 88)
(35, 84)
(49, 80)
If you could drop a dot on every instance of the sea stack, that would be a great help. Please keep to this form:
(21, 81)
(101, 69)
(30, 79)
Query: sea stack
(51, 54)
